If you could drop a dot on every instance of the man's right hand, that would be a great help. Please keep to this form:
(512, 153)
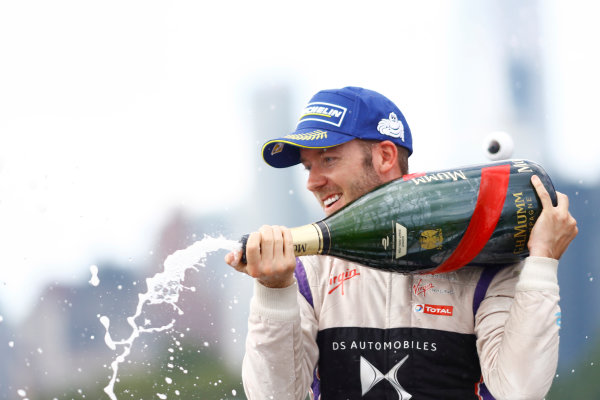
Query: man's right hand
(269, 255)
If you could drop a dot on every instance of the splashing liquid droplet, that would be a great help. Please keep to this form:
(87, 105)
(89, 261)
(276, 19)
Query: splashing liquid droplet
(94, 281)
(163, 288)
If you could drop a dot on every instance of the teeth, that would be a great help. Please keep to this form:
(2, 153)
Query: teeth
(331, 200)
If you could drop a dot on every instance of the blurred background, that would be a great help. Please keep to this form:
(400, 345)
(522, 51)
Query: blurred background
(131, 129)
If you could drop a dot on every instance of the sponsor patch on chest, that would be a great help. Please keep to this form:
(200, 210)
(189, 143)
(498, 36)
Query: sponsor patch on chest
(336, 281)
(434, 309)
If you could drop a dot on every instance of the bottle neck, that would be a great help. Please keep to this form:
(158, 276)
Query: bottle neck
(311, 239)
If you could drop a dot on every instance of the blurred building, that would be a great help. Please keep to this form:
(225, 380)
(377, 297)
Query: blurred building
(497, 78)
(579, 277)
(61, 343)
(497, 82)
(7, 355)
(275, 198)
(500, 82)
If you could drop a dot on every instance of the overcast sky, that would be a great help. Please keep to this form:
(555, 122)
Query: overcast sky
(114, 113)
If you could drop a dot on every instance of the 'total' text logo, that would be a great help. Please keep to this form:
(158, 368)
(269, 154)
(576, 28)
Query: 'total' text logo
(434, 309)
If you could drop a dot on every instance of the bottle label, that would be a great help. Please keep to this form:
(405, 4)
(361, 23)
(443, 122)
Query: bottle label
(431, 239)
(525, 217)
(401, 240)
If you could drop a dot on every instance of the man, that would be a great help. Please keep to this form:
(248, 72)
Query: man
(352, 332)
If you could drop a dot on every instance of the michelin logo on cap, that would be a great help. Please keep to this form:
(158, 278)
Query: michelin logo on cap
(391, 126)
(323, 112)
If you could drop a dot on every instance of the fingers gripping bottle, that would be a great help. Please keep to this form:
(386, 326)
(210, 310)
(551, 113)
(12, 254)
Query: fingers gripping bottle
(434, 222)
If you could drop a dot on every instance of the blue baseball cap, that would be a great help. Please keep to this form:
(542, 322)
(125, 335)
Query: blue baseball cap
(336, 116)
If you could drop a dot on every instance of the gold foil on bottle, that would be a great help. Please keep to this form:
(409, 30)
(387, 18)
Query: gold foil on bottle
(307, 240)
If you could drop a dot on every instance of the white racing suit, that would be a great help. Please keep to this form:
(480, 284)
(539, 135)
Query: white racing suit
(346, 331)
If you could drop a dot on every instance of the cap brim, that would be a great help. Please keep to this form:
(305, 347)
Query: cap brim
(285, 151)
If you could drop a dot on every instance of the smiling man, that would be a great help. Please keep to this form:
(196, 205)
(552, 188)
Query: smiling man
(340, 330)
(343, 173)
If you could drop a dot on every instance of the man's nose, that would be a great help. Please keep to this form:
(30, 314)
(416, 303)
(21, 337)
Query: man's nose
(315, 179)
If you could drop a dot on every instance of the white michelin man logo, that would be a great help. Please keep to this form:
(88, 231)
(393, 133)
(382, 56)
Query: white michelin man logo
(370, 376)
(391, 126)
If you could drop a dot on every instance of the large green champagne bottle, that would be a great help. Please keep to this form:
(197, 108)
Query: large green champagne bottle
(436, 222)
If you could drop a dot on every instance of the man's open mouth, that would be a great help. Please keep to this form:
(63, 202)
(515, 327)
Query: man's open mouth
(330, 200)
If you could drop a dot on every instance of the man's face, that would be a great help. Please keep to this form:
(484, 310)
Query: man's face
(340, 174)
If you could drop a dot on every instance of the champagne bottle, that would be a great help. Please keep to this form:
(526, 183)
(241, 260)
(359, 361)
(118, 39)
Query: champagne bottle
(434, 222)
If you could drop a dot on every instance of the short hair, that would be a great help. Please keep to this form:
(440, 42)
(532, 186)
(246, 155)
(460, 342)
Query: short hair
(402, 154)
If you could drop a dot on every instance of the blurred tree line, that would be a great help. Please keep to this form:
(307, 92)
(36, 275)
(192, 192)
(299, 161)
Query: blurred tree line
(185, 374)
(582, 382)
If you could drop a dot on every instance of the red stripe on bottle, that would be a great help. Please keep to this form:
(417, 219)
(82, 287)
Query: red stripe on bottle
(408, 177)
(490, 201)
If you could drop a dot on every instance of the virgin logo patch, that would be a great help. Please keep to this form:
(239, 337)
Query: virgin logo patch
(421, 287)
(434, 309)
(337, 281)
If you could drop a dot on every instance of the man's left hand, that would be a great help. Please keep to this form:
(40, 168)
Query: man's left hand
(555, 228)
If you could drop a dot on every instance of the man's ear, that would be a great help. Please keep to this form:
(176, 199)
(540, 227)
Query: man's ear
(385, 158)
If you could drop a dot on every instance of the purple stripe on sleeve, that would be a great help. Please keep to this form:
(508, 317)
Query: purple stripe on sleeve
(480, 290)
(316, 386)
(483, 392)
(304, 289)
(482, 286)
(302, 280)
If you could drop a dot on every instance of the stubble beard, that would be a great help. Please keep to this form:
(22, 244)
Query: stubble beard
(367, 181)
